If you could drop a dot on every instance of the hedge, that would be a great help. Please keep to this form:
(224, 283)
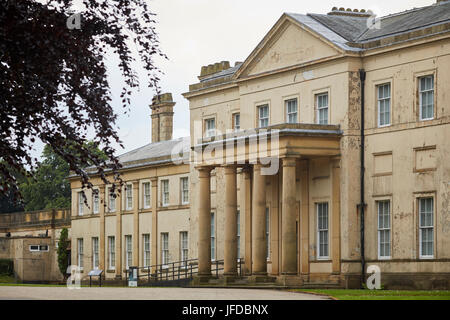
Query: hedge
(7, 267)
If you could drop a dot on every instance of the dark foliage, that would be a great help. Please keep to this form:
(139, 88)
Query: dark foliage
(53, 80)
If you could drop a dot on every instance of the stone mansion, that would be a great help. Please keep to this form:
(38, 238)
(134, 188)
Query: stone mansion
(354, 116)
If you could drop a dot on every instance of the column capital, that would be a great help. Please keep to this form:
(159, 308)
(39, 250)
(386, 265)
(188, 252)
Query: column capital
(204, 171)
(289, 162)
(229, 169)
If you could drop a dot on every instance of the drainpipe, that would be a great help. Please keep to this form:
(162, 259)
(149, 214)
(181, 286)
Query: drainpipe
(362, 77)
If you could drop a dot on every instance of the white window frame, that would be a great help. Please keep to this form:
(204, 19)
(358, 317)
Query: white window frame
(291, 113)
(320, 108)
(95, 254)
(111, 201)
(80, 253)
(184, 190)
(112, 253)
(424, 227)
(95, 201)
(34, 249)
(128, 251)
(320, 230)
(213, 236)
(210, 127)
(146, 249)
(184, 247)
(263, 119)
(423, 92)
(165, 193)
(146, 195)
(129, 196)
(165, 249)
(81, 198)
(383, 99)
(236, 121)
(268, 234)
(384, 227)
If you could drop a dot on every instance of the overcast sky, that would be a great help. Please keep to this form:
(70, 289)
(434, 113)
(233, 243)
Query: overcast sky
(194, 33)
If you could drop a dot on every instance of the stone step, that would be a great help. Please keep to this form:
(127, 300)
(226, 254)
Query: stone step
(320, 285)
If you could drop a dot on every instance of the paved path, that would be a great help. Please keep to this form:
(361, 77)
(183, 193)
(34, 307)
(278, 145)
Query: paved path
(108, 293)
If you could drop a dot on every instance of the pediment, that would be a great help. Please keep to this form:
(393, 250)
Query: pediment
(287, 44)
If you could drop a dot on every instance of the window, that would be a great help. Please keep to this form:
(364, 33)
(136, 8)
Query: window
(291, 111)
(238, 238)
(426, 97)
(384, 229)
(112, 252)
(213, 237)
(184, 246)
(112, 202)
(322, 108)
(384, 105)
(80, 203)
(267, 233)
(210, 127)
(165, 192)
(165, 248)
(129, 197)
(34, 248)
(263, 116)
(237, 121)
(95, 201)
(426, 228)
(146, 197)
(322, 230)
(184, 190)
(95, 253)
(128, 252)
(146, 241)
(80, 253)
(38, 248)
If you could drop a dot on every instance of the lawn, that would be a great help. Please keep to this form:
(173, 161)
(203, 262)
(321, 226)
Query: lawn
(342, 294)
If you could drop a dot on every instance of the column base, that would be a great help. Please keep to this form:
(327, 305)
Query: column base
(292, 280)
(261, 278)
(201, 279)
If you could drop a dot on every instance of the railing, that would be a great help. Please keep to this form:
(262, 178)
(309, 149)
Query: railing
(179, 270)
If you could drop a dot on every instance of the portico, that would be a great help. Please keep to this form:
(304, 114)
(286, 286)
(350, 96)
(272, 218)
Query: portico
(278, 157)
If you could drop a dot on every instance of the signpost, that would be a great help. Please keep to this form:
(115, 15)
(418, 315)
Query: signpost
(95, 273)
(132, 276)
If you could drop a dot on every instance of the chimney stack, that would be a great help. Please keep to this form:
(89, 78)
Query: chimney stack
(162, 117)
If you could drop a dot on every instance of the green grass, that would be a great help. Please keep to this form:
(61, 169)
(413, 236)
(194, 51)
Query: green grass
(6, 279)
(382, 294)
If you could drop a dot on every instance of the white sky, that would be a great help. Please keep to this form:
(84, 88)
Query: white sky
(194, 33)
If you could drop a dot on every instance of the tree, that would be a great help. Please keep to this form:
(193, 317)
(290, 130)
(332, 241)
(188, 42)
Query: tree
(53, 79)
(63, 246)
(49, 187)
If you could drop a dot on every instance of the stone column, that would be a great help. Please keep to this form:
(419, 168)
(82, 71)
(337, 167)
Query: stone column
(101, 208)
(289, 237)
(247, 211)
(154, 243)
(230, 252)
(275, 225)
(119, 234)
(304, 219)
(204, 221)
(336, 216)
(136, 223)
(259, 243)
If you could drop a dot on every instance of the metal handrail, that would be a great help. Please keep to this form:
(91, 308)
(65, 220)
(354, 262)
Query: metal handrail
(180, 270)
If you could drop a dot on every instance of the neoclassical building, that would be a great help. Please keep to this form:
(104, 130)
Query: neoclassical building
(147, 222)
(325, 152)
(355, 113)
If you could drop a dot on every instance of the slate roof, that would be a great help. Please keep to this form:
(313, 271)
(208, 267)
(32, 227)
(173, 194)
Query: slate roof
(157, 152)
